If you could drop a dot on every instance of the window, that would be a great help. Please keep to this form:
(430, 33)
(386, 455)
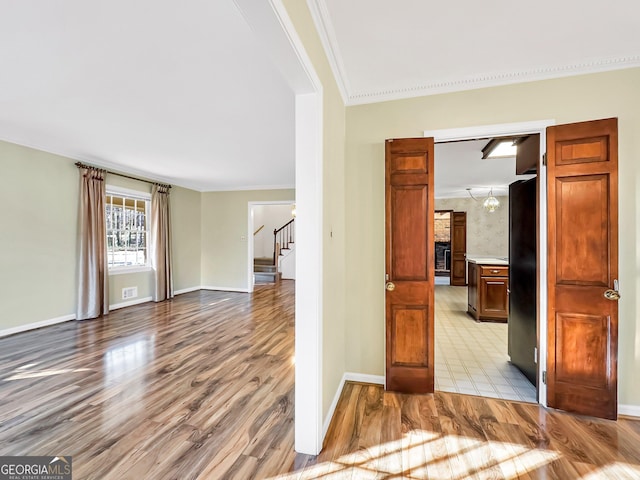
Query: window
(127, 229)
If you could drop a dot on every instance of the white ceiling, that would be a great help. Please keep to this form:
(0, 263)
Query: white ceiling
(185, 92)
(382, 50)
(175, 91)
(459, 165)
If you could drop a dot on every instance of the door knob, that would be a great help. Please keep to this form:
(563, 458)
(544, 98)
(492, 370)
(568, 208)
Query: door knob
(611, 295)
(390, 286)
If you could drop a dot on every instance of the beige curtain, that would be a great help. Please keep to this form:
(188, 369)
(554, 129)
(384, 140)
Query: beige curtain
(93, 273)
(160, 248)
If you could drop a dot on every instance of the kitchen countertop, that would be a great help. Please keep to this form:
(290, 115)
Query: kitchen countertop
(488, 260)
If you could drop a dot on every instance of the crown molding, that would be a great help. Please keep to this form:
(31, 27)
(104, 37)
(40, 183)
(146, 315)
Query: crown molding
(251, 187)
(324, 27)
(496, 79)
(326, 32)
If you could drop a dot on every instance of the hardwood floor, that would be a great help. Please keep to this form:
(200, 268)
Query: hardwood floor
(202, 388)
(199, 387)
(382, 435)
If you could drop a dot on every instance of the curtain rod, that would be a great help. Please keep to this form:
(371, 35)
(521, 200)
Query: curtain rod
(84, 165)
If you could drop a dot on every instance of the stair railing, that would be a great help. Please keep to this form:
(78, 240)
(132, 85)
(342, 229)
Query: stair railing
(282, 237)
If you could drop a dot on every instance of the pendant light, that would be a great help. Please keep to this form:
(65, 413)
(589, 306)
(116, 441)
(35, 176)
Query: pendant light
(491, 203)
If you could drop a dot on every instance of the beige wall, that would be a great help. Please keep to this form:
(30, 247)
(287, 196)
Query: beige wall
(38, 229)
(225, 235)
(39, 197)
(186, 233)
(335, 290)
(487, 233)
(572, 99)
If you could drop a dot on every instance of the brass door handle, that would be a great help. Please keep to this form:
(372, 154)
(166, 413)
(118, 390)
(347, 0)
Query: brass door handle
(390, 286)
(611, 295)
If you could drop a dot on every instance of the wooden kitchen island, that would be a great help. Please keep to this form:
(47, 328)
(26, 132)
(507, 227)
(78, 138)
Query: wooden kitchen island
(488, 279)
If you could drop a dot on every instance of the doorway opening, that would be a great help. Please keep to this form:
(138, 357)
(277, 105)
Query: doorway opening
(271, 246)
(442, 246)
(472, 356)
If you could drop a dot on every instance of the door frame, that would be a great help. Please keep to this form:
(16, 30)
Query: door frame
(250, 239)
(271, 23)
(518, 128)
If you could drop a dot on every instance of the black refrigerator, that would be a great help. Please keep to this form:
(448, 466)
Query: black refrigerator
(522, 277)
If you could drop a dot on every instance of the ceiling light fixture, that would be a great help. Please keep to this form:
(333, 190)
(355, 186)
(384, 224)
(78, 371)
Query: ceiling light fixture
(491, 202)
(500, 148)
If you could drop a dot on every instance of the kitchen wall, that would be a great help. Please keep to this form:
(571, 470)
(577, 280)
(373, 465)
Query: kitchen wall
(487, 232)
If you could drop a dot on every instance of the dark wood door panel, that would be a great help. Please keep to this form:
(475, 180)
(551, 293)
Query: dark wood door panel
(459, 249)
(459, 273)
(408, 232)
(582, 150)
(582, 183)
(582, 225)
(583, 343)
(409, 336)
(409, 265)
(494, 295)
(409, 163)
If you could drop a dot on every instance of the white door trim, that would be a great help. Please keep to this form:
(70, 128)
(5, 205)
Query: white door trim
(270, 22)
(308, 433)
(537, 126)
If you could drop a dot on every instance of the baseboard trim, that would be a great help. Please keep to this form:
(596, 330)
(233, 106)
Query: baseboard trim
(225, 289)
(130, 303)
(32, 326)
(629, 410)
(348, 377)
(364, 378)
(332, 407)
(187, 290)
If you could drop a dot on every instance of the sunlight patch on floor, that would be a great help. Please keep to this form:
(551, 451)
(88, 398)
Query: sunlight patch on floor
(421, 454)
(615, 470)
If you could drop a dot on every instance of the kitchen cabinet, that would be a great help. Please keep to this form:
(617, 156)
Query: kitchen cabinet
(488, 298)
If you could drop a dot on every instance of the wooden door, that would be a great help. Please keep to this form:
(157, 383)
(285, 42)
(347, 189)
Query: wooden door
(409, 265)
(459, 248)
(582, 184)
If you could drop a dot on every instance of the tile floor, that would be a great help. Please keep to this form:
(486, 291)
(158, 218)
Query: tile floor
(471, 357)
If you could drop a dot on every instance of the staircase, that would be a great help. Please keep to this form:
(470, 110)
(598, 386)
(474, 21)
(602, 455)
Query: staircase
(265, 271)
